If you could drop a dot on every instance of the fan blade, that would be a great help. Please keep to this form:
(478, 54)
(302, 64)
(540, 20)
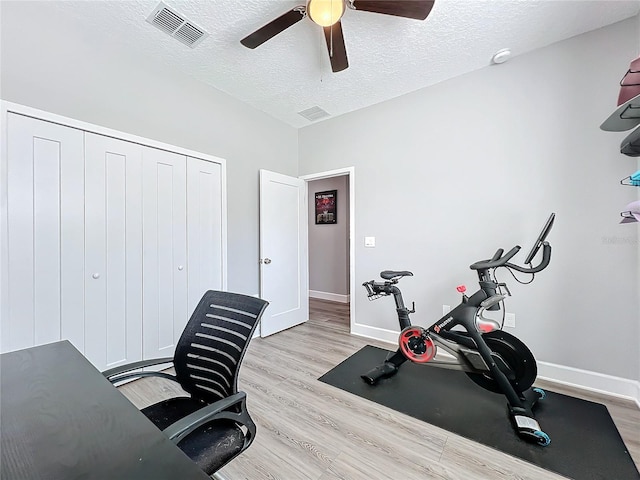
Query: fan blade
(335, 46)
(274, 27)
(417, 9)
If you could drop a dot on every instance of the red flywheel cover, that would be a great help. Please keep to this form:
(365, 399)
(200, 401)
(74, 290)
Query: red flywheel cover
(416, 345)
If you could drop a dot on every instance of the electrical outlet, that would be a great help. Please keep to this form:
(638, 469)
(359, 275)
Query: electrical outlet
(510, 320)
(445, 309)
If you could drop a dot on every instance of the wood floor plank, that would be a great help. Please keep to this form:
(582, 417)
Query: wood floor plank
(479, 462)
(352, 465)
(311, 430)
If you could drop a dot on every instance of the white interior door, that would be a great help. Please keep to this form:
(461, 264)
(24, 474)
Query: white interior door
(284, 277)
(43, 281)
(204, 229)
(113, 251)
(164, 299)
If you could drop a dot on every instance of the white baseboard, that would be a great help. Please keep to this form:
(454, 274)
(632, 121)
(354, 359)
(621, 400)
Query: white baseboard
(375, 333)
(593, 381)
(574, 377)
(333, 297)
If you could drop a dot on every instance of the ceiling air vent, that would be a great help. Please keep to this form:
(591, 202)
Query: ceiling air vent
(171, 22)
(314, 113)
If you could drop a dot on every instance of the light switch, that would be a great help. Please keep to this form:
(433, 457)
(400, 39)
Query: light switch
(369, 241)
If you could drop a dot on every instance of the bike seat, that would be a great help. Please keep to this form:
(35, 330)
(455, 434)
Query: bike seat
(390, 274)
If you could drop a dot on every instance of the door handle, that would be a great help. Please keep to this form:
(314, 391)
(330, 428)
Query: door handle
(266, 261)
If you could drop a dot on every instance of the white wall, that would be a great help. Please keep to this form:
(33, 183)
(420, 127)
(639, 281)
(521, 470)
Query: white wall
(329, 244)
(444, 175)
(447, 174)
(62, 70)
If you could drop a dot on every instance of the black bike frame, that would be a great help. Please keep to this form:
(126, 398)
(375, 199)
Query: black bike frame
(464, 315)
(471, 352)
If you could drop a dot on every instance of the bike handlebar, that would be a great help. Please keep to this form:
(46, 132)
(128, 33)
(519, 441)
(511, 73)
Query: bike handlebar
(546, 258)
(497, 255)
(496, 261)
(499, 260)
(377, 289)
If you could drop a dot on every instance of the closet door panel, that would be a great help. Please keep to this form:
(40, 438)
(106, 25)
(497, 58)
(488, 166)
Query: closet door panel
(72, 244)
(204, 228)
(18, 326)
(109, 244)
(113, 279)
(45, 234)
(165, 251)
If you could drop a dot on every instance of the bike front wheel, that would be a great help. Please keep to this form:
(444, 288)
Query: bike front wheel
(516, 355)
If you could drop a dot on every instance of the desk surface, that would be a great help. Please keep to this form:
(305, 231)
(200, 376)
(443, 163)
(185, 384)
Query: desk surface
(61, 419)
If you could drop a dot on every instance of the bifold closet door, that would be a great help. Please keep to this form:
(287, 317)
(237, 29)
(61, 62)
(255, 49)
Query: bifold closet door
(113, 251)
(165, 311)
(43, 280)
(204, 228)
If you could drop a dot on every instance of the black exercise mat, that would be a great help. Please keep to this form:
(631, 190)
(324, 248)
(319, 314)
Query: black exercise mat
(585, 443)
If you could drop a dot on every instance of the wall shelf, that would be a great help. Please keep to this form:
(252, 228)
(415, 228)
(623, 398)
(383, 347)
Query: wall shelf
(630, 146)
(625, 117)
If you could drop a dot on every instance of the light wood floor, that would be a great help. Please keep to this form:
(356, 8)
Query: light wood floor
(310, 430)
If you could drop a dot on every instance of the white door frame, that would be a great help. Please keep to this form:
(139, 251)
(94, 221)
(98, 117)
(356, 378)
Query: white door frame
(350, 172)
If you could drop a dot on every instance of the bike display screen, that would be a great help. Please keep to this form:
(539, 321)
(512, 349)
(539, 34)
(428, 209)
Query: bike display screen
(541, 238)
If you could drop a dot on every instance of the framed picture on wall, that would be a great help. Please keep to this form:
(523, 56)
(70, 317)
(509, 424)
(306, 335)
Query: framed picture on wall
(327, 207)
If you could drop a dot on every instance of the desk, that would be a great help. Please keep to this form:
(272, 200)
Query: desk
(61, 419)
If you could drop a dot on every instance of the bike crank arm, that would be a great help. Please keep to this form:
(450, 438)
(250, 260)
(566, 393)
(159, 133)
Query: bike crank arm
(459, 360)
(466, 359)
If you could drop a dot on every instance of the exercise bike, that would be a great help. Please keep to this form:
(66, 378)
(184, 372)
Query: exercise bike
(495, 360)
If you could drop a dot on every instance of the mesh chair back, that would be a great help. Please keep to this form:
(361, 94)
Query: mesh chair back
(211, 348)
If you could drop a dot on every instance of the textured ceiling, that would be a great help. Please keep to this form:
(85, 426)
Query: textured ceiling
(388, 56)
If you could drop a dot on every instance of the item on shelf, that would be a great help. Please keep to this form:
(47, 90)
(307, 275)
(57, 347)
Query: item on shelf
(626, 117)
(632, 180)
(632, 213)
(630, 83)
(630, 146)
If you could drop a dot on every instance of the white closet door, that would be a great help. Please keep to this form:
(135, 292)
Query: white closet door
(45, 188)
(204, 228)
(113, 251)
(164, 262)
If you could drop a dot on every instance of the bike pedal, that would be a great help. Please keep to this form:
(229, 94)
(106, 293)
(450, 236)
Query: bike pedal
(526, 424)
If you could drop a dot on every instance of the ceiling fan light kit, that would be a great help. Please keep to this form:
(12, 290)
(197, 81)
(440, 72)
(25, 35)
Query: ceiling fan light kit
(327, 14)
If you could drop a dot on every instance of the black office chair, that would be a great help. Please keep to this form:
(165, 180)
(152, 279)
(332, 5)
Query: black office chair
(212, 426)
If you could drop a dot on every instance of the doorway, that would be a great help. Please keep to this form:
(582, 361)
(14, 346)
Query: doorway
(330, 227)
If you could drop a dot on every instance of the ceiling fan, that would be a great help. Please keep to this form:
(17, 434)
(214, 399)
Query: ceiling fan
(327, 14)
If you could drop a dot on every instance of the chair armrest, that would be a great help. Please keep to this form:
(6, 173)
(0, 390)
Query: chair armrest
(214, 411)
(118, 371)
